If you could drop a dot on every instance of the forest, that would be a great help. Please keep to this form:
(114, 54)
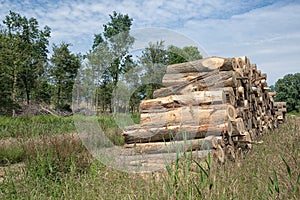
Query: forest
(30, 75)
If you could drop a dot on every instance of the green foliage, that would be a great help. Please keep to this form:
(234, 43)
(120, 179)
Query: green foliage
(24, 55)
(52, 156)
(273, 187)
(187, 53)
(109, 58)
(44, 92)
(33, 126)
(118, 23)
(6, 101)
(111, 129)
(64, 69)
(288, 90)
(11, 155)
(155, 59)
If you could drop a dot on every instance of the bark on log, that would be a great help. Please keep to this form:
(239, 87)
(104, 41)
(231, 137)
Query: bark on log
(176, 131)
(187, 113)
(236, 127)
(210, 78)
(174, 101)
(175, 146)
(154, 162)
(216, 80)
(203, 65)
(279, 104)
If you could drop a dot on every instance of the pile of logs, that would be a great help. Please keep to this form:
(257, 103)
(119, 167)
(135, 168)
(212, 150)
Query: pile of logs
(280, 111)
(218, 104)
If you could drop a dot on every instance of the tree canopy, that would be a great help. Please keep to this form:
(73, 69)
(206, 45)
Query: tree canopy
(23, 56)
(288, 90)
(155, 59)
(64, 70)
(109, 56)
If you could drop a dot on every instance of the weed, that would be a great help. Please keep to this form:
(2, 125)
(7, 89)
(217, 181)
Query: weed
(59, 167)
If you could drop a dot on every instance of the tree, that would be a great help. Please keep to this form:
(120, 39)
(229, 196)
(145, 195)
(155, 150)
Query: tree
(155, 59)
(7, 104)
(288, 90)
(64, 69)
(109, 56)
(187, 53)
(30, 52)
(24, 54)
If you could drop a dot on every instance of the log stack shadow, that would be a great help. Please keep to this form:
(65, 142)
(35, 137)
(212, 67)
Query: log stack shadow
(221, 105)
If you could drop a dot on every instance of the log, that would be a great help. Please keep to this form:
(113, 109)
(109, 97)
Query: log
(187, 113)
(280, 104)
(206, 143)
(219, 154)
(242, 61)
(197, 98)
(226, 79)
(155, 162)
(182, 110)
(209, 78)
(229, 95)
(203, 65)
(177, 131)
(236, 127)
(186, 78)
(231, 112)
(246, 138)
(48, 111)
(283, 110)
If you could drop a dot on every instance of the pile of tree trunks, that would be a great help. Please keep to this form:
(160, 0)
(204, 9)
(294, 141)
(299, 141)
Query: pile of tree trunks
(280, 111)
(218, 104)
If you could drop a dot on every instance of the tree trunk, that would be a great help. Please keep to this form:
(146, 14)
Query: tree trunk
(203, 65)
(156, 132)
(59, 93)
(174, 101)
(175, 146)
(211, 82)
(187, 113)
(14, 90)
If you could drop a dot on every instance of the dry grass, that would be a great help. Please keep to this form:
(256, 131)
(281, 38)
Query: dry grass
(61, 168)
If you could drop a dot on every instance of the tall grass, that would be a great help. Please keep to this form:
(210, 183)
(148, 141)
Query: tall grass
(61, 168)
(32, 126)
(35, 126)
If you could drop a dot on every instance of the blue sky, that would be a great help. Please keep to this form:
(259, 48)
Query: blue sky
(268, 32)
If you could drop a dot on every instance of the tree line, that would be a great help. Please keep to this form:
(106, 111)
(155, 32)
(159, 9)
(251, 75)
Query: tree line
(27, 75)
(288, 89)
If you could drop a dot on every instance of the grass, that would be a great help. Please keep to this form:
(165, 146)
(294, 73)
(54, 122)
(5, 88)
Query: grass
(61, 168)
(27, 127)
(45, 125)
(297, 114)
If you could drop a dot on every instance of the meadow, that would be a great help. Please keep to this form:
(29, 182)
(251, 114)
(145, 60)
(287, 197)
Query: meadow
(41, 157)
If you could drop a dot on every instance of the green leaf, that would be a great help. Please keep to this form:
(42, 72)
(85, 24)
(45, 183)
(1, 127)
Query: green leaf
(296, 184)
(288, 169)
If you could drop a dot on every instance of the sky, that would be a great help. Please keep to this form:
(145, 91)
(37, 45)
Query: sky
(267, 32)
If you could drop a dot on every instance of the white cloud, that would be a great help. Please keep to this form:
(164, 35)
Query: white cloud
(266, 31)
(269, 36)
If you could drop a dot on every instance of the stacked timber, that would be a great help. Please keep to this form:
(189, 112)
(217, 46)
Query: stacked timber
(220, 104)
(280, 111)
